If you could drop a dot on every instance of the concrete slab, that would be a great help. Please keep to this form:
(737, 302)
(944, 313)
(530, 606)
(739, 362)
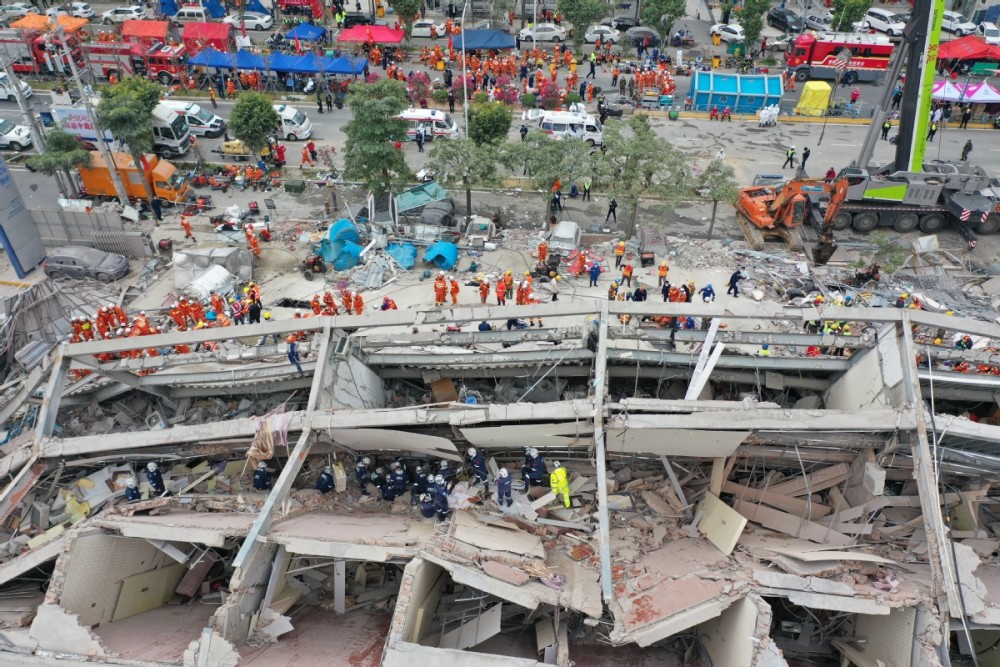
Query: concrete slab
(211, 528)
(364, 536)
(352, 640)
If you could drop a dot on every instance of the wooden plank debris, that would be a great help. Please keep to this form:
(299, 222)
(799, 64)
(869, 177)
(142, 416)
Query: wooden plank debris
(803, 508)
(791, 525)
(813, 482)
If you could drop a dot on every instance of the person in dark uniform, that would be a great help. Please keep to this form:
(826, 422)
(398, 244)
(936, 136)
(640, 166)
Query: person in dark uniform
(325, 482)
(478, 463)
(427, 507)
(132, 494)
(361, 474)
(155, 479)
(261, 477)
(503, 488)
(419, 487)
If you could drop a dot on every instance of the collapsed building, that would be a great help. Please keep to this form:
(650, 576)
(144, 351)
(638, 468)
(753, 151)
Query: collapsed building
(729, 508)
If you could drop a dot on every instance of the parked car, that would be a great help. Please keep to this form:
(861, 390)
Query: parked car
(352, 20)
(7, 88)
(821, 22)
(122, 14)
(620, 22)
(729, 32)
(191, 14)
(17, 10)
(80, 10)
(989, 32)
(252, 20)
(544, 32)
(780, 44)
(785, 19)
(82, 262)
(422, 28)
(605, 32)
(955, 23)
(14, 137)
(883, 21)
(639, 33)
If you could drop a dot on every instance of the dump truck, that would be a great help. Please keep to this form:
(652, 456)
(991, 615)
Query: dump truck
(168, 184)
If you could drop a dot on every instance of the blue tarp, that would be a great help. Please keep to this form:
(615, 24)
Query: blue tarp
(168, 7)
(340, 246)
(442, 254)
(348, 256)
(215, 8)
(209, 57)
(310, 64)
(247, 60)
(347, 65)
(256, 6)
(306, 32)
(280, 62)
(404, 253)
(484, 39)
(742, 93)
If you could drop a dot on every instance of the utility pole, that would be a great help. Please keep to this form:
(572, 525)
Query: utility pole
(37, 136)
(102, 145)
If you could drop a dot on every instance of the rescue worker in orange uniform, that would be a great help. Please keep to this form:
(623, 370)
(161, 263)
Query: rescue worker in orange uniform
(388, 304)
(501, 293)
(197, 311)
(316, 305)
(455, 289)
(329, 304)
(77, 324)
(347, 298)
(508, 280)
(543, 251)
(440, 289)
(359, 304)
(86, 328)
(619, 253)
(484, 290)
(178, 315)
(662, 272)
(186, 225)
(218, 305)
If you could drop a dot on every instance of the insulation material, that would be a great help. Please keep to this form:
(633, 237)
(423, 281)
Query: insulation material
(213, 279)
(675, 442)
(376, 439)
(190, 264)
(148, 590)
(475, 632)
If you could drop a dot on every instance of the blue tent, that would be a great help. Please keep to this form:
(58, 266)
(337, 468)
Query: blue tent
(256, 6)
(168, 7)
(347, 65)
(209, 57)
(404, 253)
(281, 62)
(442, 254)
(743, 93)
(306, 32)
(215, 8)
(310, 64)
(247, 60)
(485, 39)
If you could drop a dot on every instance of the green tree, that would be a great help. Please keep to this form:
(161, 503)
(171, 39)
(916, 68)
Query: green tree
(727, 10)
(637, 163)
(370, 155)
(126, 108)
(63, 153)
(661, 14)
(466, 161)
(407, 11)
(489, 123)
(848, 12)
(753, 23)
(253, 120)
(544, 161)
(582, 13)
(717, 184)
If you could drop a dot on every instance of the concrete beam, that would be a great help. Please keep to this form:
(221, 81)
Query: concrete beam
(274, 386)
(37, 375)
(250, 547)
(482, 360)
(600, 395)
(448, 338)
(736, 337)
(454, 414)
(53, 395)
(259, 374)
(685, 406)
(803, 421)
(803, 364)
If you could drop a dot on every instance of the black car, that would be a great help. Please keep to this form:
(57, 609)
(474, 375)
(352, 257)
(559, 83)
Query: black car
(352, 20)
(640, 33)
(622, 23)
(785, 19)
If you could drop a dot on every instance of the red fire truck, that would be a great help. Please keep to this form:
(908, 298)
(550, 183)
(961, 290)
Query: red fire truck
(161, 62)
(303, 7)
(34, 52)
(847, 57)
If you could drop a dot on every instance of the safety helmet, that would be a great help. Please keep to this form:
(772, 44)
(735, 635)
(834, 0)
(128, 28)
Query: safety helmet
(765, 346)
(142, 313)
(848, 299)
(444, 465)
(374, 477)
(397, 466)
(905, 295)
(557, 464)
(533, 453)
(152, 467)
(937, 341)
(380, 470)
(267, 314)
(471, 451)
(503, 472)
(419, 469)
(298, 313)
(232, 300)
(508, 272)
(131, 482)
(438, 479)
(949, 312)
(425, 498)
(367, 461)
(527, 273)
(451, 277)
(261, 466)
(440, 273)
(111, 306)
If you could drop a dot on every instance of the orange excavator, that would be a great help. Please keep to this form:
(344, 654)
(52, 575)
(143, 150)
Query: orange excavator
(780, 210)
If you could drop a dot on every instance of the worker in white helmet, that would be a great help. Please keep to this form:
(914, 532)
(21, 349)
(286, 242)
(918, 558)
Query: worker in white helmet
(559, 483)
(155, 479)
(261, 477)
(324, 484)
(503, 488)
(132, 494)
(479, 472)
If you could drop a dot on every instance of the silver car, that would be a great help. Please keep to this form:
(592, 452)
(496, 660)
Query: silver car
(82, 262)
(820, 22)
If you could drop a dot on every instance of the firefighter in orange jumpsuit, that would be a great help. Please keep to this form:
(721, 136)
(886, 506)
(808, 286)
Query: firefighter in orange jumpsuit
(501, 292)
(440, 289)
(455, 289)
(197, 311)
(359, 304)
(254, 245)
(316, 305)
(218, 305)
(529, 299)
(484, 290)
(521, 294)
(104, 324)
(86, 328)
(543, 251)
(508, 280)
(348, 300)
(329, 303)
(186, 225)
(178, 315)
(77, 324)
(388, 304)
(253, 291)
(141, 325)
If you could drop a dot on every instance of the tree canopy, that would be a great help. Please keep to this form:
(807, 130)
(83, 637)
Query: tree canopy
(661, 14)
(126, 108)
(582, 13)
(253, 120)
(490, 123)
(717, 184)
(467, 162)
(407, 11)
(544, 161)
(63, 153)
(752, 20)
(848, 12)
(370, 154)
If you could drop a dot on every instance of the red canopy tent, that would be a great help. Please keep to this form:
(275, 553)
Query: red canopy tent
(197, 36)
(375, 34)
(969, 47)
(145, 32)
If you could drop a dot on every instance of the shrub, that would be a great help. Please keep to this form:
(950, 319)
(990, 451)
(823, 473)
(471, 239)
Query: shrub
(480, 98)
(440, 96)
(419, 85)
(573, 98)
(528, 101)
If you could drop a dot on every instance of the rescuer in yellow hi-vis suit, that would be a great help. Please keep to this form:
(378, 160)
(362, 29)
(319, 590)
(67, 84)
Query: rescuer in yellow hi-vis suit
(559, 483)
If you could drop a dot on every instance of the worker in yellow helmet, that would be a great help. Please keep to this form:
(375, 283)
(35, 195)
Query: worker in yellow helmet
(559, 483)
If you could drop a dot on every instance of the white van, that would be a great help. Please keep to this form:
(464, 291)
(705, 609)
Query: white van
(201, 121)
(171, 136)
(295, 125)
(436, 123)
(7, 88)
(561, 124)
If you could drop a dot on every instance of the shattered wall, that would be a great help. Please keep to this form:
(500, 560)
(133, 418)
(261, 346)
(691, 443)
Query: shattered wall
(97, 566)
(874, 379)
(888, 637)
(424, 581)
(729, 639)
(248, 586)
(349, 383)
